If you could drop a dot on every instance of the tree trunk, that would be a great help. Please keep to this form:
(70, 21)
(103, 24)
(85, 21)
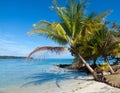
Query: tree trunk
(88, 66)
(111, 70)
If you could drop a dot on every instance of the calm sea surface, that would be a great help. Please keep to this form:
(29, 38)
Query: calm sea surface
(18, 73)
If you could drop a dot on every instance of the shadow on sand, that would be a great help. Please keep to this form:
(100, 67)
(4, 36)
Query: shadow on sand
(40, 78)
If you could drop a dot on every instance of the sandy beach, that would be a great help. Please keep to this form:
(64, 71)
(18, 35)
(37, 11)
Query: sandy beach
(82, 85)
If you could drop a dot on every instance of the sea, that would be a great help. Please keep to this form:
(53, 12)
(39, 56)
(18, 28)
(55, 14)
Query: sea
(18, 73)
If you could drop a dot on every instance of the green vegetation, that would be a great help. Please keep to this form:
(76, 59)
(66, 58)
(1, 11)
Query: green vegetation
(11, 57)
(87, 37)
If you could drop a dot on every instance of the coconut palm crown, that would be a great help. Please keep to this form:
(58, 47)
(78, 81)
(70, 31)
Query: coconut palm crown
(73, 24)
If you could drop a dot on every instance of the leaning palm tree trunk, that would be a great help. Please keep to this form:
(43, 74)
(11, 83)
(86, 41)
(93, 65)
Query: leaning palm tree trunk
(111, 70)
(88, 66)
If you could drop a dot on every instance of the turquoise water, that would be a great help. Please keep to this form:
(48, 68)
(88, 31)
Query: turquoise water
(18, 73)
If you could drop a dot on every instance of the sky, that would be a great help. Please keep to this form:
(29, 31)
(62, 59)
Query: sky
(18, 16)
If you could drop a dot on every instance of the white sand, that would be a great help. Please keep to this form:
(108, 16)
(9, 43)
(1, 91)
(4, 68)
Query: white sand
(81, 85)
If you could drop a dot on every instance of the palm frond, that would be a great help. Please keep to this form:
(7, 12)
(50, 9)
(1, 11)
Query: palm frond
(102, 15)
(54, 31)
(48, 48)
(41, 23)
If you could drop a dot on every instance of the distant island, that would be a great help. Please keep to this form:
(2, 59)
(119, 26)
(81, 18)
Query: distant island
(11, 57)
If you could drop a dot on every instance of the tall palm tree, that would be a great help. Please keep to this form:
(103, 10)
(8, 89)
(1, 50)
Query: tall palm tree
(74, 29)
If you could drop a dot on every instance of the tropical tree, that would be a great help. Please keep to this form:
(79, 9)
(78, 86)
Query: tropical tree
(104, 43)
(73, 29)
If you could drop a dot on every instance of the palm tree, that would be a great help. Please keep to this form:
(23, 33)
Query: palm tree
(73, 29)
(104, 43)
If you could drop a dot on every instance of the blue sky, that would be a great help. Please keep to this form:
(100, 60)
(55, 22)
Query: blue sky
(18, 16)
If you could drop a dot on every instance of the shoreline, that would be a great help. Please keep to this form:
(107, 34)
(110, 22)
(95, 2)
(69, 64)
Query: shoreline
(84, 84)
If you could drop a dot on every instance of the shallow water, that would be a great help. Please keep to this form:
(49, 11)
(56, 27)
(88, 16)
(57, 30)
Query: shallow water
(16, 73)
